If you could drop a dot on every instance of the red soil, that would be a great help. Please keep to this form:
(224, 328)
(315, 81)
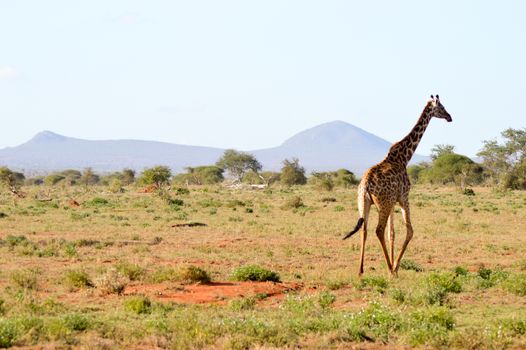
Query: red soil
(217, 292)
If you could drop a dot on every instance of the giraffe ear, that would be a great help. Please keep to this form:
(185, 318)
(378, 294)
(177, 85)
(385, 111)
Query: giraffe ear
(438, 98)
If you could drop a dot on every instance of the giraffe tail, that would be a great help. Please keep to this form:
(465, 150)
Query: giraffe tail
(358, 225)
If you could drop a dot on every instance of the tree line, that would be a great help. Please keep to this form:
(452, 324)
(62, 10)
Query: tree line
(503, 164)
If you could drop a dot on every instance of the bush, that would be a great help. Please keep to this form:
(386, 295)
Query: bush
(375, 323)
(77, 322)
(112, 282)
(293, 203)
(138, 305)
(134, 272)
(97, 202)
(430, 326)
(377, 283)
(193, 274)
(516, 284)
(254, 273)
(407, 264)
(438, 286)
(292, 173)
(243, 304)
(26, 279)
(77, 279)
(8, 333)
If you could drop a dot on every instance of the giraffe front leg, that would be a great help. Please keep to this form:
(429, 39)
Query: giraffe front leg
(408, 237)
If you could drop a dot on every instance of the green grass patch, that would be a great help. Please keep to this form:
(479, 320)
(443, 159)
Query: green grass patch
(254, 273)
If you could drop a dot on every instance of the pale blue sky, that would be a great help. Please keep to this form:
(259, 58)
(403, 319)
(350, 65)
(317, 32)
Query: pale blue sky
(249, 74)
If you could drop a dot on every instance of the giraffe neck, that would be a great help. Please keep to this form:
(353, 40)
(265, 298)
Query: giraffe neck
(402, 151)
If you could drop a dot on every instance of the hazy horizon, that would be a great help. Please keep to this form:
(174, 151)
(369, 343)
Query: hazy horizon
(248, 75)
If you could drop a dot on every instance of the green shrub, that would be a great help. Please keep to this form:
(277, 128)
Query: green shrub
(516, 284)
(77, 322)
(488, 278)
(138, 305)
(163, 274)
(407, 264)
(193, 274)
(8, 333)
(430, 326)
(326, 299)
(398, 295)
(377, 283)
(134, 272)
(13, 241)
(460, 271)
(254, 273)
(375, 323)
(77, 279)
(97, 202)
(241, 304)
(26, 279)
(438, 285)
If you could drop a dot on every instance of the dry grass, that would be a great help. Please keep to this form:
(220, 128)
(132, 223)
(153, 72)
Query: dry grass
(121, 238)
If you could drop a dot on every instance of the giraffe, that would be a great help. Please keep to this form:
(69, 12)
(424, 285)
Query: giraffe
(386, 184)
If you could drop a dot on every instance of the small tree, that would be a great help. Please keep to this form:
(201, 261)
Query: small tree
(53, 179)
(507, 162)
(292, 173)
(11, 180)
(89, 177)
(158, 176)
(440, 150)
(128, 176)
(238, 163)
(200, 175)
(322, 180)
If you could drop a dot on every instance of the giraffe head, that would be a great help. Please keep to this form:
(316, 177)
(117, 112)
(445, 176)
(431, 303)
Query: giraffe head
(437, 110)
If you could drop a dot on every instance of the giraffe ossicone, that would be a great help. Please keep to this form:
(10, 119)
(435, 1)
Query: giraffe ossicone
(387, 184)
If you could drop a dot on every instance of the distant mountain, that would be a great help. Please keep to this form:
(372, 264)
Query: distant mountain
(328, 146)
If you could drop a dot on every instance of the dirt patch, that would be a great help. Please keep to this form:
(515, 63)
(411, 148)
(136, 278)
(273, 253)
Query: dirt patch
(214, 293)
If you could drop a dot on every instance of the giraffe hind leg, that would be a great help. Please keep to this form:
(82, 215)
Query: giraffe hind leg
(365, 209)
(383, 216)
(391, 235)
(408, 237)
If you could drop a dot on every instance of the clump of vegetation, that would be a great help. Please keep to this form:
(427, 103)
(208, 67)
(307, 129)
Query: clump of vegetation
(293, 203)
(375, 323)
(77, 279)
(193, 274)
(292, 173)
(97, 202)
(25, 279)
(326, 299)
(163, 274)
(133, 272)
(488, 278)
(437, 286)
(254, 273)
(516, 284)
(138, 305)
(111, 282)
(241, 304)
(407, 264)
(13, 241)
(8, 333)
(430, 326)
(376, 283)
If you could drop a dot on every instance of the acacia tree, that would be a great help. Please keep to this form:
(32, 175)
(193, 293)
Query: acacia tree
(507, 161)
(158, 176)
(11, 180)
(237, 163)
(440, 150)
(292, 173)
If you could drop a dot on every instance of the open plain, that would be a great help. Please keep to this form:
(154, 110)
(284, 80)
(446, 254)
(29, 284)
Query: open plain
(87, 268)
